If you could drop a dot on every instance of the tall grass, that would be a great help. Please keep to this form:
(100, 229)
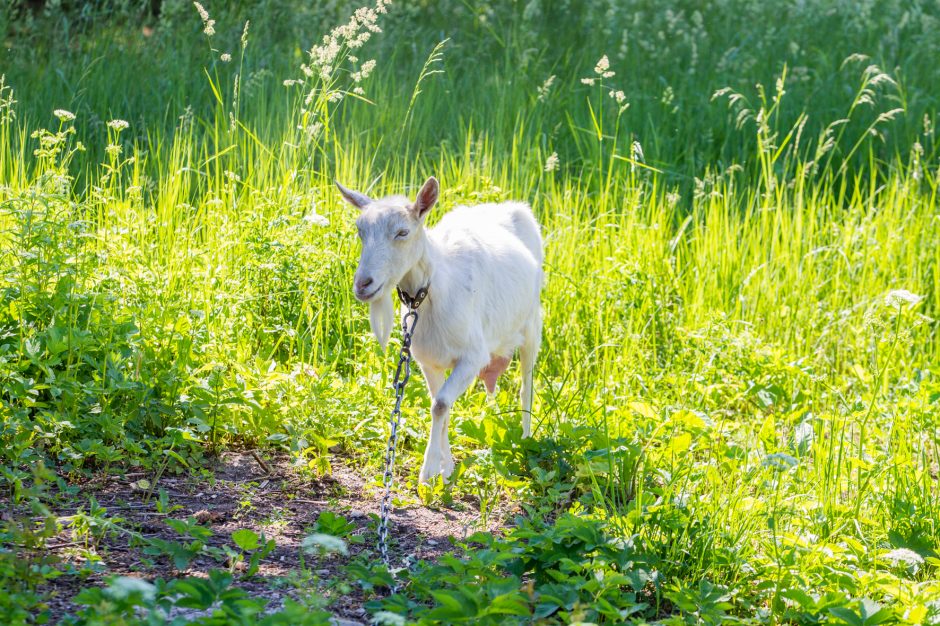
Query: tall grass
(742, 281)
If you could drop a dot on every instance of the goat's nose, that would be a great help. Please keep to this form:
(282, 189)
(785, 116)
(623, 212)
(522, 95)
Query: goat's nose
(362, 283)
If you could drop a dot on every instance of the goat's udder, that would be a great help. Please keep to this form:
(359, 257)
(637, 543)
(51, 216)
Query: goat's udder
(491, 373)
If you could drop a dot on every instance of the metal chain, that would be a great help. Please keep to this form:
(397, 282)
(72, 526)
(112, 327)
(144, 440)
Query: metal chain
(402, 374)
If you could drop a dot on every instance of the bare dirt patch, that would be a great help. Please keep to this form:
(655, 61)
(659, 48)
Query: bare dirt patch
(239, 493)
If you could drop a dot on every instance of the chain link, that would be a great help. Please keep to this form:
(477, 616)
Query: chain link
(402, 374)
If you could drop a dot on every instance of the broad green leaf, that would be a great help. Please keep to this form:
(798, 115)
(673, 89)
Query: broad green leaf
(680, 443)
(644, 409)
(246, 539)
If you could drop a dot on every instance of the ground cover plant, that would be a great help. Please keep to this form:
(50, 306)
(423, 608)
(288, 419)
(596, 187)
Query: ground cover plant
(737, 414)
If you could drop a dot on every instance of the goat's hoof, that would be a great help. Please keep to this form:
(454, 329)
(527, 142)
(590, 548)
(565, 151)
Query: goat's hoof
(447, 468)
(431, 470)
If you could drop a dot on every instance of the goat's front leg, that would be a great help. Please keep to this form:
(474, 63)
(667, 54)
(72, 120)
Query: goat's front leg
(434, 378)
(437, 458)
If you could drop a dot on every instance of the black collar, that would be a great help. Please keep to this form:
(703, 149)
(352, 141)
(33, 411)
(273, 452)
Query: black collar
(413, 302)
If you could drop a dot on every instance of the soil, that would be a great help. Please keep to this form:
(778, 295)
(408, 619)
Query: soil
(266, 496)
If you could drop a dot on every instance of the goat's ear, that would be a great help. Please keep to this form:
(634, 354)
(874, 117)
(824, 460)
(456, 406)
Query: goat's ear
(358, 200)
(426, 198)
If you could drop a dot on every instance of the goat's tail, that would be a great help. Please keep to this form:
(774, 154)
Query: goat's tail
(526, 228)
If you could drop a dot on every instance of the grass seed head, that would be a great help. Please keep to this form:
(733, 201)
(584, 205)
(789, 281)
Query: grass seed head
(551, 163)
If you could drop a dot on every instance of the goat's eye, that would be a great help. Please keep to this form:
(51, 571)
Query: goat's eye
(401, 234)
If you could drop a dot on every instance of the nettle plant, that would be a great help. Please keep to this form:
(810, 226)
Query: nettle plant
(70, 351)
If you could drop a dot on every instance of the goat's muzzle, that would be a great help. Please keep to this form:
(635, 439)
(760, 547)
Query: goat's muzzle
(365, 289)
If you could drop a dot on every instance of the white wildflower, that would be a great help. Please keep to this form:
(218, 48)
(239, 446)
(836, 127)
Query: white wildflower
(118, 125)
(387, 618)
(587, 81)
(226, 57)
(618, 95)
(899, 297)
(551, 163)
(905, 556)
(63, 115)
(315, 218)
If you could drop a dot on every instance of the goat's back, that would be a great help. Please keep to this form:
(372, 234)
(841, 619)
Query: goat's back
(484, 221)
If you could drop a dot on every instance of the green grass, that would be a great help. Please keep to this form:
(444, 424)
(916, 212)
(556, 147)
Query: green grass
(734, 419)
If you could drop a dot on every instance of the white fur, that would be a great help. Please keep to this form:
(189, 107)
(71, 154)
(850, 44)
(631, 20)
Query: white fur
(483, 265)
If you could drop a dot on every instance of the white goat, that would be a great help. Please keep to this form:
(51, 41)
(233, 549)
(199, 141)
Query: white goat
(482, 266)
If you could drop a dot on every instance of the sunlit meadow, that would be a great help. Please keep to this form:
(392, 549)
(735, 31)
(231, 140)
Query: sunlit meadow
(737, 415)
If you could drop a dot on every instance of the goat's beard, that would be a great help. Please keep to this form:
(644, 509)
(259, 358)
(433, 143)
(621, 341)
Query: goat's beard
(382, 317)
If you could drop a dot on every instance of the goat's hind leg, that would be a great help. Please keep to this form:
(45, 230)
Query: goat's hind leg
(527, 356)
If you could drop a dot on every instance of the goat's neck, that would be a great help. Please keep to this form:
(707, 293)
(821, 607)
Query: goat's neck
(421, 273)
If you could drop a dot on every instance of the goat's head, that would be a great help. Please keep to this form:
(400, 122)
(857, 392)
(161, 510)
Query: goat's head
(392, 233)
